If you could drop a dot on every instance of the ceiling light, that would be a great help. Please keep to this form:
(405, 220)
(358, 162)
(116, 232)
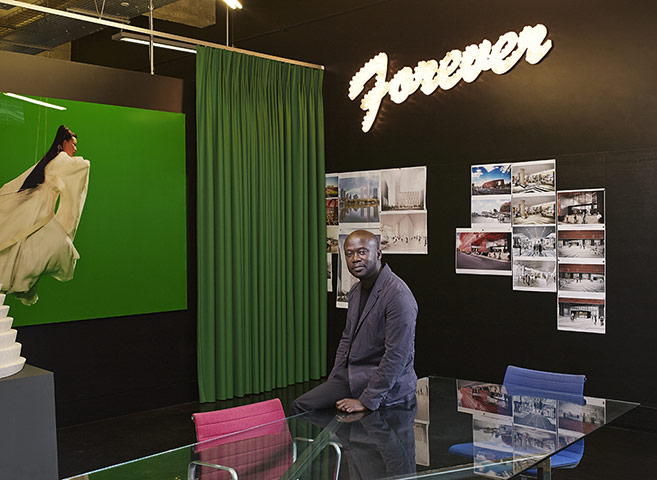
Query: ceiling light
(158, 42)
(31, 100)
(233, 4)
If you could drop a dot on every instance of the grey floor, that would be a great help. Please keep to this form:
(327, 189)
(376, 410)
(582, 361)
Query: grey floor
(625, 450)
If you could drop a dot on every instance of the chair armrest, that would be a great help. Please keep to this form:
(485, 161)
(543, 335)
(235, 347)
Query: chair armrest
(191, 469)
(335, 445)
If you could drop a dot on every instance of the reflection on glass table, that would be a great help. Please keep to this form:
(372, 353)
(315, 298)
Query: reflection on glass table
(508, 434)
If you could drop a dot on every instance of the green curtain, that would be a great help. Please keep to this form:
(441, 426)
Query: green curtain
(261, 224)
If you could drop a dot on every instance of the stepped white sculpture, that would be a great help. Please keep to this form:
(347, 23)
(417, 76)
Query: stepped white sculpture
(11, 361)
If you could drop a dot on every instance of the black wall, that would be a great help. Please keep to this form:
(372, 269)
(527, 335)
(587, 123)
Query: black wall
(591, 104)
(113, 366)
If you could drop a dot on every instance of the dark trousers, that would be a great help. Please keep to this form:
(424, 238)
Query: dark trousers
(324, 395)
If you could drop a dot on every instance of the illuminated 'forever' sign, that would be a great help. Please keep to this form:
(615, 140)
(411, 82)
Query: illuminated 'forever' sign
(455, 66)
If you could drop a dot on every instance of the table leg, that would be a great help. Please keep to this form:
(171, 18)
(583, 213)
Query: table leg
(544, 470)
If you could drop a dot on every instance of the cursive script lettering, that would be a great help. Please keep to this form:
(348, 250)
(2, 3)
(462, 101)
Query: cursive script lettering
(455, 66)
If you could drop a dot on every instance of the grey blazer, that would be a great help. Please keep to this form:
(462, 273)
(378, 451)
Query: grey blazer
(379, 347)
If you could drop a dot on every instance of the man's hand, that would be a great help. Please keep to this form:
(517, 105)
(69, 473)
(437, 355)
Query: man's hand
(350, 405)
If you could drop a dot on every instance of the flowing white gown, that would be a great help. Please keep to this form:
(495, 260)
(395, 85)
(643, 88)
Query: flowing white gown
(34, 239)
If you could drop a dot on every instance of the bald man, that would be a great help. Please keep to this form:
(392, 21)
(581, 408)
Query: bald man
(374, 362)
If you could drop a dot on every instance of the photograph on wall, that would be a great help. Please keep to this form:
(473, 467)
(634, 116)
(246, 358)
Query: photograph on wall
(578, 209)
(359, 204)
(534, 275)
(492, 439)
(594, 413)
(529, 441)
(332, 211)
(492, 433)
(494, 179)
(491, 210)
(331, 185)
(532, 209)
(492, 463)
(535, 242)
(570, 419)
(345, 279)
(522, 460)
(568, 438)
(83, 216)
(535, 412)
(490, 398)
(404, 232)
(422, 452)
(403, 189)
(577, 420)
(332, 239)
(329, 272)
(423, 400)
(483, 253)
(576, 314)
(581, 246)
(582, 280)
(533, 177)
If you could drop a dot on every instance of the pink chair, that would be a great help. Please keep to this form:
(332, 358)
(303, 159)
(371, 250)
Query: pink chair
(250, 441)
(230, 420)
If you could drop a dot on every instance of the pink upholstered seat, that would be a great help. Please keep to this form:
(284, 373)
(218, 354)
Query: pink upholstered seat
(230, 420)
(256, 452)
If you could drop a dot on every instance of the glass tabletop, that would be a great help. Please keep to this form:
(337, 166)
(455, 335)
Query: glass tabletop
(454, 429)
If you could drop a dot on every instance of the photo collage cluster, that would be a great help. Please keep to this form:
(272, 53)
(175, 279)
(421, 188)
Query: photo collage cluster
(546, 240)
(581, 299)
(509, 431)
(389, 203)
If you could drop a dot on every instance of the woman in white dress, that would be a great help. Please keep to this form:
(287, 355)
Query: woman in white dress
(36, 233)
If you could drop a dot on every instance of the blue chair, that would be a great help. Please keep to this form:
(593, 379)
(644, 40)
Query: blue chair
(559, 386)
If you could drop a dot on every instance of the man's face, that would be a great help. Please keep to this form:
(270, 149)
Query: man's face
(363, 256)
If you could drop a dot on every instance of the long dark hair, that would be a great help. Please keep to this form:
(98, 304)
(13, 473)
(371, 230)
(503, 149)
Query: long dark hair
(37, 175)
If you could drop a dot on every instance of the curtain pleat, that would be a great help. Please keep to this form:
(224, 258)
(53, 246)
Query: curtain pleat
(261, 224)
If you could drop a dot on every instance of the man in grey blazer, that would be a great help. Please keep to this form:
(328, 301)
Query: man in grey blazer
(374, 361)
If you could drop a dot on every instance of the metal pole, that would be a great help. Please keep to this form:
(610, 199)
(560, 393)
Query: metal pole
(150, 26)
(227, 23)
(145, 31)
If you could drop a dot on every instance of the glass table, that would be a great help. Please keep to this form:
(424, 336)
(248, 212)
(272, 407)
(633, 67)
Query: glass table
(455, 429)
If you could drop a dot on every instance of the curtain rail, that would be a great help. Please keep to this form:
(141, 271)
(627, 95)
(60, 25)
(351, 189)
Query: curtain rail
(146, 31)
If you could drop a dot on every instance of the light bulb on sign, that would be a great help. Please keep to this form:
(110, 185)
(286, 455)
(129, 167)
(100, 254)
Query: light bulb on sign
(375, 67)
(455, 66)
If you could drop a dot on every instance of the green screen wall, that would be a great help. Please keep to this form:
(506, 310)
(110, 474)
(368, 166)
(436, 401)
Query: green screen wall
(131, 237)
